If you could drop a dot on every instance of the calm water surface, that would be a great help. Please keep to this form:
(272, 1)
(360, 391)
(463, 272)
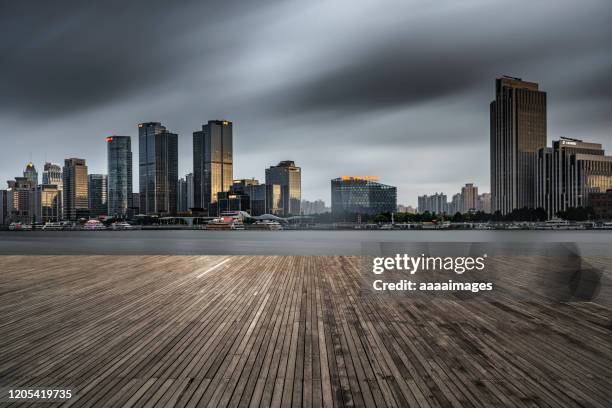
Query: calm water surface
(192, 242)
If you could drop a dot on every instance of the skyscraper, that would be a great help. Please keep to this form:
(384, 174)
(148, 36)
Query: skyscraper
(212, 161)
(98, 198)
(3, 207)
(48, 203)
(20, 200)
(569, 172)
(518, 130)
(52, 174)
(119, 153)
(469, 198)
(158, 165)
(286, 198)
(189, 181)
(75, 194)
(181, 205)
(30, 173)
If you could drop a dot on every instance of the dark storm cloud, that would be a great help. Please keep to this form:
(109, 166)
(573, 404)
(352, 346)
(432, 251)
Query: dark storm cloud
(452, 53)
(59, 57)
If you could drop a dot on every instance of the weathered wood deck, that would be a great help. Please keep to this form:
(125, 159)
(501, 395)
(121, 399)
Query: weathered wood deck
(284, 331)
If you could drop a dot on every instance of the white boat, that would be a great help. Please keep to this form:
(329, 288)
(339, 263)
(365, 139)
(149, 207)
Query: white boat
(53, 226)
(225, 223)
(559, 224)
(604, 225)
(122, 226)
(94, 225)
(266, 225)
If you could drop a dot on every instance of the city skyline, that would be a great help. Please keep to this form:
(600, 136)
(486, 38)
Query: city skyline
(410, 86)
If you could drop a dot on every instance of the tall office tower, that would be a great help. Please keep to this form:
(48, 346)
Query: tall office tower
(3, 207)
(288, 177)
(158, 165)
(518, 130)
(30, 173)
(75, 193)
(569, 172)
(98, 195)
(469, 198)
(189, 180)
(212, 161)
(52, 174)
(21, 200)
(181, 205)
(48, 203)
(119, 160)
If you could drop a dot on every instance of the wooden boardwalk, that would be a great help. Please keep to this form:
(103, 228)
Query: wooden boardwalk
(244, 331)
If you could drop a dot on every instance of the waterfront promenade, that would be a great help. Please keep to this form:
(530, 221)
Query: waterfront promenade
(163, 331)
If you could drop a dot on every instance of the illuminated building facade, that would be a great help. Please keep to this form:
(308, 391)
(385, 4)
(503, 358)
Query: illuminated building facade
(518, 131)
(76, 189)
(284, 183)
(48, 203)
(569, 172)
(361, 195)
(212, 162)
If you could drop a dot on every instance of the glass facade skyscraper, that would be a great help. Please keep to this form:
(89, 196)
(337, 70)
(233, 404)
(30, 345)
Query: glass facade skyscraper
(98, 195)
(212, 161)
(158, 167)
(518, 131)
(362, 195)
(284, 183)
(75, 194)
(30, 173)
(119, 158)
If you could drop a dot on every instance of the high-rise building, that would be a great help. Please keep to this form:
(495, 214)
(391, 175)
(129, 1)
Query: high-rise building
(181, 205)
(48, 203)
(454, 206)
(158, 165)
(435, 203)
(361, 195)
(3, 207)
(75, 192)
(484, 203)
(469, 198)
(518, 131)
(30, 173)
(569, 172)
(212, 161)
(52, 174)
(21, 195)
(119, 160)
(189, 180)
(98, 195)
(284, 182)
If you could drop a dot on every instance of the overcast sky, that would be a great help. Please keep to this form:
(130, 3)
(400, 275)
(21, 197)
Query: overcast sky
(398, 89)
